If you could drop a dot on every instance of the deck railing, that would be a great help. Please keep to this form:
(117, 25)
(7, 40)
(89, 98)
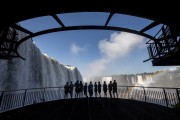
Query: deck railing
(18, 98)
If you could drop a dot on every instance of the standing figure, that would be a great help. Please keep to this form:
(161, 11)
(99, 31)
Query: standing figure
(99, 89)
(71, 89)
(66, 90)
(85, 90)
(105, 89)
(110, 89)
(115, 89)
(90, 89)
(81, 89)
(95, 89)
(77, 89)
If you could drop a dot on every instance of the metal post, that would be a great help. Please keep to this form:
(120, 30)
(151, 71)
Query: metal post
(1, 98)
(59, 93)
(144, 94)
(24, 99)
(165, 97)
(128, 92)
(44, 93)
(177, 92)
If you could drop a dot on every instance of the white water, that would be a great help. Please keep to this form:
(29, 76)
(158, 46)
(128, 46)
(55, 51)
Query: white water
(36, 71)
(159, 79)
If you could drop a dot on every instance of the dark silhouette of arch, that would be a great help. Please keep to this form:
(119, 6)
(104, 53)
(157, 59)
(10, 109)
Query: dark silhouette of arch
(159, 13)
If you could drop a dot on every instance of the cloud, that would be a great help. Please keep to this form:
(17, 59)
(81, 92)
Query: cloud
(76, 49)
(117, 46)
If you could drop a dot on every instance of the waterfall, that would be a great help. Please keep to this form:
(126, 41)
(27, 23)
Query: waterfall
(38, 70)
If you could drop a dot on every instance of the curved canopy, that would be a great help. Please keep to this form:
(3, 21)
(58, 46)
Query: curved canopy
(163, 12)
(166, 13)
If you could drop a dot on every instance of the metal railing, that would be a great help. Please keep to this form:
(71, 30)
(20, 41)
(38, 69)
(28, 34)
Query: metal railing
(18, 98)
(168, 40)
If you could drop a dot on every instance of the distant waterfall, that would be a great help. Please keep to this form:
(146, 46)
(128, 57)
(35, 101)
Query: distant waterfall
(36, 71)
(164, 78)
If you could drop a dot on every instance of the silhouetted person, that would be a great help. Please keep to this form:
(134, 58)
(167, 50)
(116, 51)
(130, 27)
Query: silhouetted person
(90, 89)
(95, 89)
(71, 89)
(66, 90)
(85, 89)
(81, 89)
(110, 89)
(99, 89)
(105, 89)
(77, 89)
(115, 89)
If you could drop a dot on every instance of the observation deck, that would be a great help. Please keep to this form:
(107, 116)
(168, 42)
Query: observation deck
(133, 103)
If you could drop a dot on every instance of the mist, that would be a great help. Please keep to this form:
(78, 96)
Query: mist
(119, 45)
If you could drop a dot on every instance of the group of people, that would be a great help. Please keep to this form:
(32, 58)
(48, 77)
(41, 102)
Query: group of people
(81, 89)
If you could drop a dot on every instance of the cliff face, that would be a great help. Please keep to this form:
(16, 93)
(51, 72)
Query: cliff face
(36, 71)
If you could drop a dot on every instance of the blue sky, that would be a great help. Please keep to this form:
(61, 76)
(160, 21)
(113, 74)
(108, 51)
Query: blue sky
(95, 52)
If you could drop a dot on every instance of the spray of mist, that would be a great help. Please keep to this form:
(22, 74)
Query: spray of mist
(117, 46)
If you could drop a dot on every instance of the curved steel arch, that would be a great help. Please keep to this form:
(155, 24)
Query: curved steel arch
(166, 13)
(90, 27)
(145, 9)
(87, 27)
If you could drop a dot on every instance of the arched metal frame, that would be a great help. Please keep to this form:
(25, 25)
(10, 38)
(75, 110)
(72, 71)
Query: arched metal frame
(160, 13)
(85, 27)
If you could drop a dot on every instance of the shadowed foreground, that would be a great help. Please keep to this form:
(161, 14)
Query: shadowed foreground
(92, 109)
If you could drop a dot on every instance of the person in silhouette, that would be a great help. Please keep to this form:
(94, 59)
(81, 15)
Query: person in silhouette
(90, 89)
(99, 89)
(77, 89)
(95, 89)
(81, 89)
(105, 89)
(110, 89)
(85, 90)
(66, 90)
(114, 85)
(71, 89)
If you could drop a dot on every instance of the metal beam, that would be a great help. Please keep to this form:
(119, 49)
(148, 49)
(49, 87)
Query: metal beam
(58, 20)
(86, 28)
(153, 24)
(109, 18)
(15, 26)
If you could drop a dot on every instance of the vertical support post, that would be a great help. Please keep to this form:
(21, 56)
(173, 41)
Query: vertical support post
(44, 93)
(165, 97)
(177, 92)
(150, 51)
(144, 94)
(165, 38)
(127, 92)
(157, 50)
(1, 98)
(24, 99)
(59, 93)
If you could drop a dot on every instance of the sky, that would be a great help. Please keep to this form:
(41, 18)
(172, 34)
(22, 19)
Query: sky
(96, 52)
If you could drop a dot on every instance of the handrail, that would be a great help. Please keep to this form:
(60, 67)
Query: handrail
(13, 99)
(62, 87)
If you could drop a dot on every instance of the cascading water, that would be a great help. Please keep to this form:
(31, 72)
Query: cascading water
(36, 71)
(164, 78)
